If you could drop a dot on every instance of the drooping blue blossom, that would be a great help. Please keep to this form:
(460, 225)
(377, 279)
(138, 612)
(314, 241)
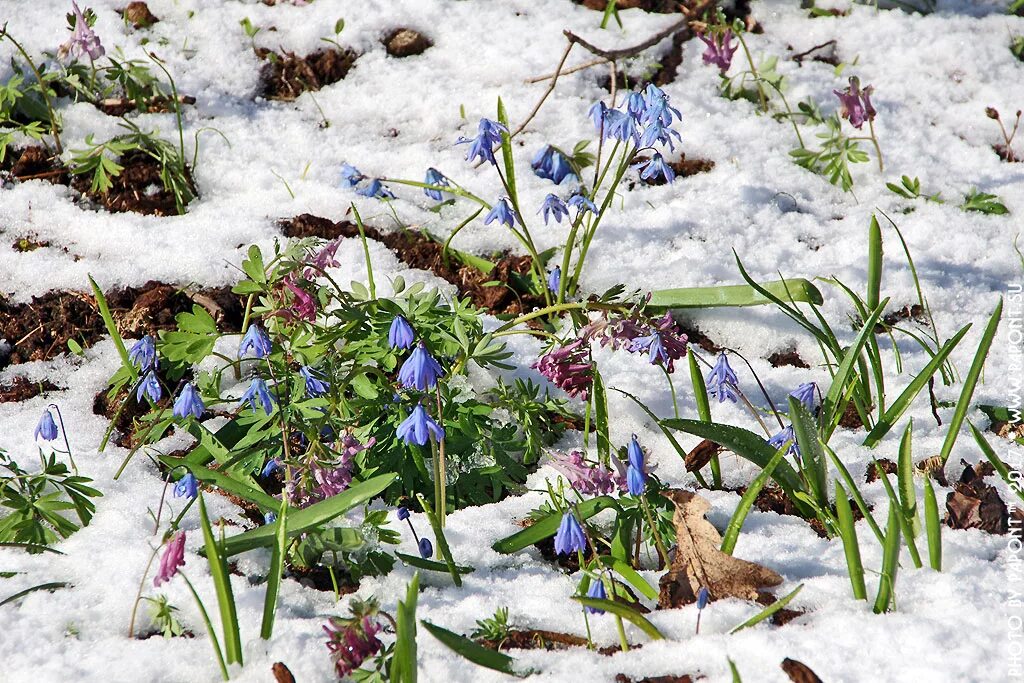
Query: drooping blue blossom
(619, 126)
(722, 381)
(269, 517)
(665, 344)
(403, 513)
(420, 370)
(351, 176)
(596, 114)
(46, 428)
(656, 166)
(636, 476)
(805, 393)
(315, 384)
(187, 487)
(658, 108)
(435, 177)
(426, 548)
(555, 279)
(273, 465)
(634, 453)
(598, 592)
(258, 395)
(658, 133)
(570, 537)
(143, 353)
(551, 164)
(482, 146)
(553, 207)
(419, 427)
(502, 212)
(401, 335)
(255, 340)
(787, 435)
(189, 402)
(582, 203)
(636, 105)
(702, 597)
(149, 386)
(375, 188)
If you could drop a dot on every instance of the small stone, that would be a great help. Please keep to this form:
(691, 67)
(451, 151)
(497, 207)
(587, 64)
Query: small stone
(138, 15)
(404, 42)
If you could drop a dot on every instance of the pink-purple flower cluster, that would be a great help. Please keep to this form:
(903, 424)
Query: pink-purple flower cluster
(720, 49)
(590, 479)
(352, 642)
(855, 104)
(173, 557)
(324, 480)
(569, 367)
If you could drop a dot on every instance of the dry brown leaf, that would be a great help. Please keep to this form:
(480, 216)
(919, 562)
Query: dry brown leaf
(699, 563)
(282, 674)
(701, 455)
(799, 672)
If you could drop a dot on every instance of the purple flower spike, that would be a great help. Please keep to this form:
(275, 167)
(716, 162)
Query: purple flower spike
(46, 428)
(589, 479)
(720, 49)
(173, 557)
(502, 212)
(597, 592)
(420, 370)
(722, 381)
(189, 402)
(400, 335)
(351, 642)
(855, 104)
(569, 367)
(570, 537)
(419, 428)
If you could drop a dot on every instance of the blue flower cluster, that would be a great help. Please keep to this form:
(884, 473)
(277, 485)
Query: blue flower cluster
(363, 185)
(143, 356)
(420, 371)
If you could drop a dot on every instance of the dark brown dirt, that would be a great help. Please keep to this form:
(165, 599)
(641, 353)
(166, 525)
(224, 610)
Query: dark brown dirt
(138, 188)
(784, 615)
(537, 639)
(21, 389)
(405, 42)
(851, 418)
(1007, 154)
(695, 336)
(138, 15)
(787, 357)
(286, 75)
(656, 6)
(419, 251)
(119, 106)
(888, 466)
(33, 163)
(912, 312)
(319, 578)
(771, 498)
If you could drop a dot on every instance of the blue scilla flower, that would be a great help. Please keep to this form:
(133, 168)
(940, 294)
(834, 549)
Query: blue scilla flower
(269, 517)
(401, 335)
(502, 212)
(702, 597)
(482, 146)
(350, 175)
(403, 513)
(722, 381)
(787, 435)
(420, 370)
(143, 353)
(805, 393)
(258, 395)
(597, 113)
(426, 548)
(658, 133)
(658, 108)
(582, 203)
(636, 480)
(434, 177)
(149, 386)
(553, 207)
(552, 165)
(315, 384)
(555, 279)
(419, 428)
(187, 487)
(189, 402)
(634, 453)
(636, 105)
(46, 428)
(655, 346)
(375, 188)
(597, 592)
(255, 340)
(656, 166)
(570, 537)
(619, 126)
(273, 465)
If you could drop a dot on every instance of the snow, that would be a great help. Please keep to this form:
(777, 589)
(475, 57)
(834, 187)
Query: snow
(933, 77)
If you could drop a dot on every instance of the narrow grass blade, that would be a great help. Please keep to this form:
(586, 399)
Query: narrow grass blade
(222, 582)
(812, 456)
(506, 155)
(403, 664)
(735, 672)
(277, 558)
(932, 526)
(470, 650)
(700, 396)
(546, 527)
(431, 565)
(970, 382)
(604, 447)
(53, 585)
(624, 611)
(733, 295)
(732, 532)
(768, 611)
(31, 547)
(857, 497)
(631, 576)
(851, 547)
(874, 262)
(905, 527)
(442, 542)
(890, 561)
(108, 322)
(905, 480)
(902, 402)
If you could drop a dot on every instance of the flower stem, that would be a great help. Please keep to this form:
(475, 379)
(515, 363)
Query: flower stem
(753, 72)
(138, 596)
(209, 628)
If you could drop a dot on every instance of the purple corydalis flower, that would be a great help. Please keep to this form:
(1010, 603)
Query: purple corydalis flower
(323, 259)
(720, 49)
(419, 428)
(420, 370)
(555, 279)
(173, 557)
(258, 395)
(482, 146)
(255, 340)
(805, 393)
(785, 436)
(46, 428)
(315, 385)
(589, 479)
(553, 207)
(582, 203)
(435, 177)
(656, 166)
(83, 41)
(143, 353)
(350, 175)
(186, 487)
(375, 188)
(401, 335)
(189, 402)
(149, 386)
(569, 367)
(426, 548)
(551, 164)
(303, 306)
(855, 104)
(722, 381)
(502, 212)
(570, 537)
(597, 592)
(352, 641)
(665, 344)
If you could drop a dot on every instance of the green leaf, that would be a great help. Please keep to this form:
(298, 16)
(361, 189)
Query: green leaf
(798, 289)
(314, 516)
(224, 481)
(890, 561)
(470, 650)
(631, 576)
(277, 558)
(431, 565)
(768, 611)
(933, 526)
(217, 559)
(442, 542)
(835, 401)
(624, 611)
(812, 455)
(506, 154)
(732, 532)
(546, 527)
(403, 663)
(851, 547)
(53, 585)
